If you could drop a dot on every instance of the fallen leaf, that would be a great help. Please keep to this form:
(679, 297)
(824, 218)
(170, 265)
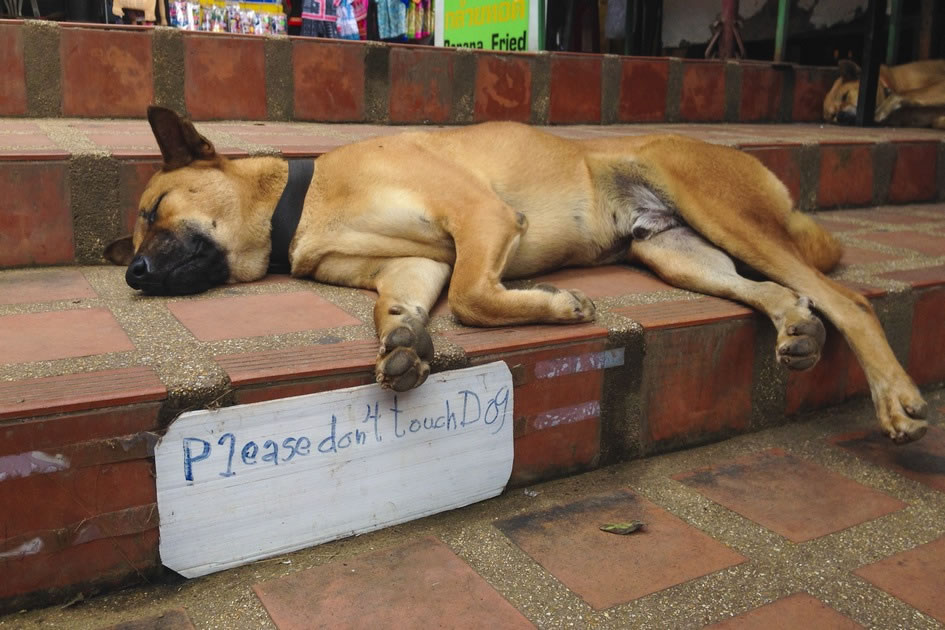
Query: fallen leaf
(622, 528)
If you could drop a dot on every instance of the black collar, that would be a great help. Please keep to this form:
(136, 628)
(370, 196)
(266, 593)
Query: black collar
(288, 211)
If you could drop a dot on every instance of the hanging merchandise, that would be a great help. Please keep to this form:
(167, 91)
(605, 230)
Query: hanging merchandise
(347, 23)
(392, 19)
(220, 16)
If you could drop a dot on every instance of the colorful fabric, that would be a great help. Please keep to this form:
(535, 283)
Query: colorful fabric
(392, 19)
(319, 19)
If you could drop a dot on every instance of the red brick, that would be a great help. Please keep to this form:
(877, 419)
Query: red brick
(328, 80)
(503, 88)
(63, 498)
(224, 77)
(781, 161)
(212, 319)
(846, 175)
(922, 461)
(286, 390)
(604, 569)
(927, 347)
(914, 576)
(703, 91)
(697, 381)
(56, 432)
(761, 93)
(928, 244)
(47, 285)
(35, 215)
(810, 87)
(169, 620)
(794, 611)
(914, 172)
(556, 451)
(418, 585)
(575, 89)
(12, 71)
(60, 335)
(108, 561)
(105, 72)
(790, 496)
(608, 281)
(133, 177)
(681, 313)
(919, 278)
(836, 377)
(479, 341)
(643, 87)
(421, 83)
(299, 362)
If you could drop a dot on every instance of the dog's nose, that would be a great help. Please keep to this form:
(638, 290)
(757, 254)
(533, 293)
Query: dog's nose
(139, 271)
(846, 117)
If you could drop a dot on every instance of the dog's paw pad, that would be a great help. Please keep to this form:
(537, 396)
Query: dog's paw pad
(401, 370)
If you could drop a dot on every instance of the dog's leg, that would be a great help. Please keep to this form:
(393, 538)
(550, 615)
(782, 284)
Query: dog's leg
(407, 289)
(684, 259)
(485, 240)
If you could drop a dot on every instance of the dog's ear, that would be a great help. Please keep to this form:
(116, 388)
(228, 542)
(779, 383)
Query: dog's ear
(849, 70)
(120, 251)
(179, 140)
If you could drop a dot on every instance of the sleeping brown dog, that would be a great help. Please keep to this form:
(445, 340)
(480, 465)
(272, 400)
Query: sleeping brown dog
(498, 201)
(910, 95)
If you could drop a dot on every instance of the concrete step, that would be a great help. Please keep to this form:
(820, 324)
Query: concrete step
(90, 373)
(69, 186)
(820, 523)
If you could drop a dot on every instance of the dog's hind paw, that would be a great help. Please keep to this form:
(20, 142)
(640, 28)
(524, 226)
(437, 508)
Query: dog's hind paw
(403, 361)
(801, 339)
(902, 416)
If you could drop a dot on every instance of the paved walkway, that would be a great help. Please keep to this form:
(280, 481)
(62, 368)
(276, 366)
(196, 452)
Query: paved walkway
(818, 524)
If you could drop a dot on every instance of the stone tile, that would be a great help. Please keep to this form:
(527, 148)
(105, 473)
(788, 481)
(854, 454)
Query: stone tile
(922, 461)
(48, 285)
(224, 77)
(914, 172)
(928, 244)
(703, 91)
(605, 569)
(482, 341)
(860, 256)
(836, 377)
(914, 576)
(503, 88)
(697, 382)
(789, 613)
(608, 281)
(421, 85)
(927, 345)
(795, 498)
(681, 313)
(12, 71)
(212, 319)
(810, 87)
(35, 215)
(176, 619)
(418, 585)
(105, 72)
(252, 368)
(761, 93)
(782, 162)
(846, 175)
(575, 89)
(643, 87)
(919, 278)
(886, 214)
(328, 80)
(60, 335)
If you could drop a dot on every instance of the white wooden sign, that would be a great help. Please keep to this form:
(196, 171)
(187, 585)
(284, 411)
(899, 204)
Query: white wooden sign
(251, 481)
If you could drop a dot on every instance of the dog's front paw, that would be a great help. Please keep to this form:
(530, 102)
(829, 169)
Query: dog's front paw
(901, 413)
(801, 339)
(569, 306)
(403, 361)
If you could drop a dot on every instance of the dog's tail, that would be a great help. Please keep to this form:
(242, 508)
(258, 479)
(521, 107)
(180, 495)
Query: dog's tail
(817, 245)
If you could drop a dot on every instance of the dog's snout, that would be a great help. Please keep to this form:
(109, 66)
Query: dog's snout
(139, 271)
(846, 117)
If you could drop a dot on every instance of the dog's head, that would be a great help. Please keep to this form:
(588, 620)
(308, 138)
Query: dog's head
(840, 102)
(190, 234)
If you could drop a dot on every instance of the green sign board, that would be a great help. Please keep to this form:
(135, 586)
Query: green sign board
(488, 24)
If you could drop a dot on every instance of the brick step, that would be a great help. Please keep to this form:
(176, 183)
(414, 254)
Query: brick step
(67, 187)
(86, 70)
(90, 374)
